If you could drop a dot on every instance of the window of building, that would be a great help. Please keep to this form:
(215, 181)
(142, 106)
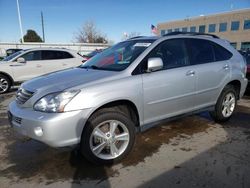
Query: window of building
(163, 32)
(184, 29)
(192, 29)
(245, 45)
(202, 28)
(235, 25)
(211, 28)
(176, 29)
(247, 24)
(234, 44)
(223, 27)
(170, 30)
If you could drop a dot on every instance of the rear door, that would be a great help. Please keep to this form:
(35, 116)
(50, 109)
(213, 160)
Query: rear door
(55, 60)
(31, 68)
(210, 62)
(170, 91)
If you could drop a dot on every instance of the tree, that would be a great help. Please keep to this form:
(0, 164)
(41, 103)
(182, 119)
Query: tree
(88, 33)
(130, 35)
(31, 36)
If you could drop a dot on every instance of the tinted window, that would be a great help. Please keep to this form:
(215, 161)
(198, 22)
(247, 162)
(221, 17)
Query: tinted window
(192, 29)
(200, 51)
(172, 52)
(170, 30)
(53, 54)
(202, 28)
(32, 56)
(211, 28)
(184, 29)
(223, 27)
(247, 24)
(162, 32)
(235, 25)
(221, 54)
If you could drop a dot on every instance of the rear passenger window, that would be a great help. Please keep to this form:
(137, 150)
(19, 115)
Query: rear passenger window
(221, 54)
(172, 52)
(53, 55)
(200, 51)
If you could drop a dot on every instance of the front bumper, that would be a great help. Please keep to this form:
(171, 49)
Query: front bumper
(53, 129)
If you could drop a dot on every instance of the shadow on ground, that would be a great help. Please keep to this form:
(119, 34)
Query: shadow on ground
(33, 161)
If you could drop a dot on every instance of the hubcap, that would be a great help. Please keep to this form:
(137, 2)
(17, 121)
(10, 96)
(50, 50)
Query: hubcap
(228, 105)
(3, 85)
(109, 139)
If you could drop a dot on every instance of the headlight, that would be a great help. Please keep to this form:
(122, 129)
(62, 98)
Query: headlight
(55, 102)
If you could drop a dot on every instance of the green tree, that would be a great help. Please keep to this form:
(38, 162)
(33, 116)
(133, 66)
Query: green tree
(32, 36)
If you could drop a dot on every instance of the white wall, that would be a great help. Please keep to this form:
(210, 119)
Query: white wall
(83, 48)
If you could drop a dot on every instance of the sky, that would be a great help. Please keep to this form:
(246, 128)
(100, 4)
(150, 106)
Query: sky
(63, 18)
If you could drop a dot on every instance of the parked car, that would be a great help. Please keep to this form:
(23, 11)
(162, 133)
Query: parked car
(26, 64)
(12, 51)
(144, 81)
(246, 55)
(90, 55)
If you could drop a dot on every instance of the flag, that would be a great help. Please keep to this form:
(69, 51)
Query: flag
(153, 29)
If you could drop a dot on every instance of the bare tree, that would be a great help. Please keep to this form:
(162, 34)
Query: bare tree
(89, 33)
(130, 35)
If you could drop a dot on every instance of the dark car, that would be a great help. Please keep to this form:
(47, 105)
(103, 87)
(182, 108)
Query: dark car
(91, 54)
(12, 51)
(246, 54)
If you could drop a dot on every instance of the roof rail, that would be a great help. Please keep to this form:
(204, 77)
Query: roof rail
(135, 37)
(190, 33)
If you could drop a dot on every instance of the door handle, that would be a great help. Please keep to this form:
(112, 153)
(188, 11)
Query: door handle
(64, 64)
(190, 73)
(38, 66)
(226, 67)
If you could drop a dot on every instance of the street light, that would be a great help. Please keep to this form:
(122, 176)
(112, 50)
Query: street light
(20, 21)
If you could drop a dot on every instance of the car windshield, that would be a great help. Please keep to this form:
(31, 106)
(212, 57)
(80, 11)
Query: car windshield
(8, 58)
(118, 57)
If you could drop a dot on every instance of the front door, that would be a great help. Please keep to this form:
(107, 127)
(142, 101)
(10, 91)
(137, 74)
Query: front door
(170, 91)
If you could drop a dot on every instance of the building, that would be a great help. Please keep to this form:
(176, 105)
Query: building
(233, 26)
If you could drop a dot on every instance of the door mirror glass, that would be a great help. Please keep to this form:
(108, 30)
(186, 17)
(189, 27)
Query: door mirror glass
(154, 64)
(21, 60)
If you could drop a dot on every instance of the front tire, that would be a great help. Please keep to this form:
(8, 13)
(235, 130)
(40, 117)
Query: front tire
(5, 84)
(107, 138)
(225, 105)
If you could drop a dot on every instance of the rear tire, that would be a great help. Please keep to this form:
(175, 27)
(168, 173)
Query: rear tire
(5, 84)
(225, 105)
(107, 138)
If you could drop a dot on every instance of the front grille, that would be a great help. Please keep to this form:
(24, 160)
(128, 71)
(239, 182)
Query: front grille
(23, 95)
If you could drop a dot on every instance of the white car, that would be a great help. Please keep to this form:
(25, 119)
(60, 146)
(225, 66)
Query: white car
(27, 64)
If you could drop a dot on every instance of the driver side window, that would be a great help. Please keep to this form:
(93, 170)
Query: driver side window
(32, 56)
(172, 52)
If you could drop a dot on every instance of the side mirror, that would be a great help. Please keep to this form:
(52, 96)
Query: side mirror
(21, 60)
(154, 64)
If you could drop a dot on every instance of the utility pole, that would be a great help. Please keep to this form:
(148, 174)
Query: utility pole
(42, 26)
(20, 21)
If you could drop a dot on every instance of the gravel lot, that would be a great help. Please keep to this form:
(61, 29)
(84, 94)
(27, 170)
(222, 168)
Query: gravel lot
(189, 152)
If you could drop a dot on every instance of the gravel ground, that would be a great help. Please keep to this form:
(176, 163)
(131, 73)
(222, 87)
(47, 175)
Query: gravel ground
(189, 152)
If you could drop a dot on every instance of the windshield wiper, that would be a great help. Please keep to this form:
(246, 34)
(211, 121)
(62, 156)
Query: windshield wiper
(90, 67)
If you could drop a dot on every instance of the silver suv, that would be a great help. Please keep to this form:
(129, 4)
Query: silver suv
(128, 88)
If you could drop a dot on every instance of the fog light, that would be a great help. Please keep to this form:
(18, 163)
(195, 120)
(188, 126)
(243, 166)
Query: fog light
(38, 131)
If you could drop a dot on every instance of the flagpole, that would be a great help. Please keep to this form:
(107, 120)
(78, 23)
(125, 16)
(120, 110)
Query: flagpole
(20, 21)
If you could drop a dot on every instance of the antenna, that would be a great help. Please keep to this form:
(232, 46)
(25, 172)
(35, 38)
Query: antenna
(42, 26)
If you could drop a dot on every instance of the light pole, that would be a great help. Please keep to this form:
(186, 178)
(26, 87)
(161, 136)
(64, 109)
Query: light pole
(20, 21)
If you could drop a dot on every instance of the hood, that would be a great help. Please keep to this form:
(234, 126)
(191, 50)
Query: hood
(61, 80)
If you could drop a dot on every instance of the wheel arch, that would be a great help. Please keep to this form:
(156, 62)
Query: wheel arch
(7, 75)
